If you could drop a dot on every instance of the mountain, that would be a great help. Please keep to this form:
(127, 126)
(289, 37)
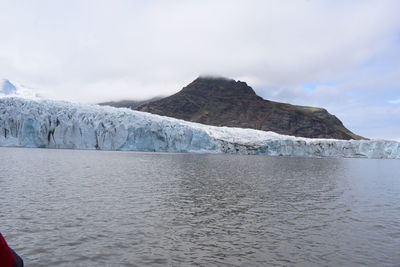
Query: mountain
(9, 89)
(226, 102)
(56, 124)
(132, 104)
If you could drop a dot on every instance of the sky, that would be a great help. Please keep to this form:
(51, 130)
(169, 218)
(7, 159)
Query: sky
(338, 54)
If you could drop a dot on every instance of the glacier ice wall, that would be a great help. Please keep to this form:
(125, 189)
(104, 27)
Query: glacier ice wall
(55, 124)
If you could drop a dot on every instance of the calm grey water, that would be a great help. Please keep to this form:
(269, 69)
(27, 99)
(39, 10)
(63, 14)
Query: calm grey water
(91, 208)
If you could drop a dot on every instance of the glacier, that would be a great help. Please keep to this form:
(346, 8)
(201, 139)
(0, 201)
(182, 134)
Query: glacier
(56, 124)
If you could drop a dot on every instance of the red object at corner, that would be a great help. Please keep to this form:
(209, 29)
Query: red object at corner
(7, 258)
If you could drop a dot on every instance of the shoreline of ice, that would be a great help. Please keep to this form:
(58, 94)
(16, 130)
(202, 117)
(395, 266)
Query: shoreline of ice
(57, 124)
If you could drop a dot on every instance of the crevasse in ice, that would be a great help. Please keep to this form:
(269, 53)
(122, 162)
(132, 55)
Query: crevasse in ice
(56, 124)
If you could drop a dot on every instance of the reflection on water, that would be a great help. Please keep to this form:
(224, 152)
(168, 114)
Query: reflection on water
(91, 208)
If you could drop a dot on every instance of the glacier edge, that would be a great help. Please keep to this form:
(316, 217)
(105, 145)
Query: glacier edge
(57, 124)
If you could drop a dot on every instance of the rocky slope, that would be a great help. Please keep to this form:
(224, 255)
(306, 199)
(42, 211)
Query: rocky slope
(224, 102)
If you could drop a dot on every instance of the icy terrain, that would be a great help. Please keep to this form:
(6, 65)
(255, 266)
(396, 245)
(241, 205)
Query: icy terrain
(53, 124)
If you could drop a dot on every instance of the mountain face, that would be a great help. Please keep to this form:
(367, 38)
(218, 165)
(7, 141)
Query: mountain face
(54, 124)
(224, 102)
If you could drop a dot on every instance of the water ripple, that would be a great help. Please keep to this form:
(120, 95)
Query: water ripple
(90, 208)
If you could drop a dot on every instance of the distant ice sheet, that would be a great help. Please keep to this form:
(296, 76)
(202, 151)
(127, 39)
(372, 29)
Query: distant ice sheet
(55, 124)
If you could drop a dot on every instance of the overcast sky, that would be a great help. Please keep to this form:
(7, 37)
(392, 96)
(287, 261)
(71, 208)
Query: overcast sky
(339, 54)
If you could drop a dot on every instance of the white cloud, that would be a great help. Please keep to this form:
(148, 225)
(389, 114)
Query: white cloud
(396, 101)
(278, 43)
(106, 50)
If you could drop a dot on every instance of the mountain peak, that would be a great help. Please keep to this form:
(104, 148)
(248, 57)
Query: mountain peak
(6, 87)
(219, 86)
(11, 89)
(213, 78)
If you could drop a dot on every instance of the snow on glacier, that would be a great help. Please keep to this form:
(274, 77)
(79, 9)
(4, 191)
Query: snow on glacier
(55, 124)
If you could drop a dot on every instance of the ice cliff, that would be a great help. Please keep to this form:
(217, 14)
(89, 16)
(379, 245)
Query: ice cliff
(54, 124)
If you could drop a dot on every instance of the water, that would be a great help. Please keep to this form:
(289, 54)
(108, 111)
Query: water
(91, 208)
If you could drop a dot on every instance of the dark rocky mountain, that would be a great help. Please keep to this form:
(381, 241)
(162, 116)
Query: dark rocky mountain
(224, 102)
(132, 104)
